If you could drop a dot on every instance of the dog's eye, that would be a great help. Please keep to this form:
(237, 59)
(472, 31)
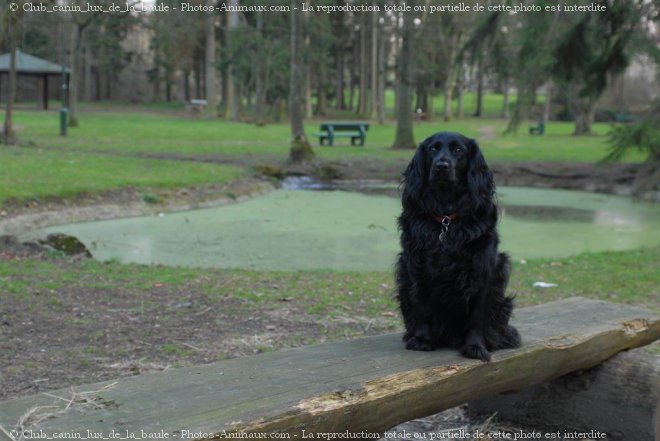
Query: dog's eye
(433, 149)
(458, 151)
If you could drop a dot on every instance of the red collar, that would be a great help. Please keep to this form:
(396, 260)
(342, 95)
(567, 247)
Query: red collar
(445, 219)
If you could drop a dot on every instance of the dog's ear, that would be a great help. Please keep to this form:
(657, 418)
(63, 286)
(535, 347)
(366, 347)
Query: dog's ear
(479, 177)
(415, 176)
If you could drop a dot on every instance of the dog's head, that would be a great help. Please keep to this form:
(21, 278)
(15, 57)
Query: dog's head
(449, 160)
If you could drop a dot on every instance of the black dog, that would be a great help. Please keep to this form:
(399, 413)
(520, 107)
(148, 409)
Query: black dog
(450, 277)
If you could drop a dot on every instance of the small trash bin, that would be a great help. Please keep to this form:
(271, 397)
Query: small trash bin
(64, 115)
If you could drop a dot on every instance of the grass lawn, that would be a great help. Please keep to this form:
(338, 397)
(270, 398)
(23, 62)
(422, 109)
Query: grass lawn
(631, 277)
(29, 173)
(101, 153)
(87, 314)
(141, 132)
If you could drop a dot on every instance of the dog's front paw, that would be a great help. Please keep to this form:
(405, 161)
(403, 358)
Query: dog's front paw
(418, 344)
(475, 350)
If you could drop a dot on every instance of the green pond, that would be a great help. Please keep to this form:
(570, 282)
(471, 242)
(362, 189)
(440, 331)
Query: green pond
(348, 230)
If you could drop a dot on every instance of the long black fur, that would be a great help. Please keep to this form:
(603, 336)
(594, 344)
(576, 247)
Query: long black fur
(452, 292)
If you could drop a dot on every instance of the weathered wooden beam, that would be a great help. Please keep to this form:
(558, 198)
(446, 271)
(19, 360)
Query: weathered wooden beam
(619, 397)
(366, 384)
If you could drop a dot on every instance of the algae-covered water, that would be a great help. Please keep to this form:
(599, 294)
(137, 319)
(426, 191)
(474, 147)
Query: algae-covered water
(343, 230)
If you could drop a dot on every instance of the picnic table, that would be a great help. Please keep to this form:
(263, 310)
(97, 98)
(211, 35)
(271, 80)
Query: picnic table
(356, 131)
(538, 129)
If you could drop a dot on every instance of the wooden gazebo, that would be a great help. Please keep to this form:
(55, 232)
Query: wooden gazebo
(28, 65)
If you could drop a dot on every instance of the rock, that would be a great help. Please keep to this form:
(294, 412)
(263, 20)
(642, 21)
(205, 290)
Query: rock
(270, 170)
(69, 245)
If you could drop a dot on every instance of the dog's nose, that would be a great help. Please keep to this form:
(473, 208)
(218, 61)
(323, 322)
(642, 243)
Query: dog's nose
(442, 165)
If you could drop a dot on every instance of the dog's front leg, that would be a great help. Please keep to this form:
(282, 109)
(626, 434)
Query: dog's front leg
(474, 345)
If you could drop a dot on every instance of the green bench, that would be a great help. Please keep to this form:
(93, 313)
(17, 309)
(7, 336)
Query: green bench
(538, 129)
(357, 131)
(624, 117)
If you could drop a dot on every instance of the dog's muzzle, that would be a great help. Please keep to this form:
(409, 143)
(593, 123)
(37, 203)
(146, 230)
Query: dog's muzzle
(442, 171)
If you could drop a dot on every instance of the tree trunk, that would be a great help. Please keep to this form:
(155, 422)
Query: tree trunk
(449, 86)
(584, 116)
(197, 74)
(430, 113)
(231, 107)
(8, 134)
(447, 103)
(404, 121)
(309, 110)
(156, 83)
(480, 86)
(355, 54)
(97, 84)
(374, 65)
(322, 101)
(168, 85)
(186, 85)
(548, 101)
(74, 76)
(259, 80)
(506, 98)
(382, 78)
(300, 149)
(88, 72)
(340, 103)
(364, 62)
(525, 99)
(461, 94)
(211, 109)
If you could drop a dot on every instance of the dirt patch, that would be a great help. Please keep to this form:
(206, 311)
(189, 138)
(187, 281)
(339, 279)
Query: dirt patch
(487, 133)
(73, 323)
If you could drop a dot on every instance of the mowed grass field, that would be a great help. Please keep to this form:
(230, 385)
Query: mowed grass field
(153, 133)
(116, 146)
(31, 173)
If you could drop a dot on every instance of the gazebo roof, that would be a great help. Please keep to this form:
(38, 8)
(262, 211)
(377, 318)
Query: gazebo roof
(27, 64)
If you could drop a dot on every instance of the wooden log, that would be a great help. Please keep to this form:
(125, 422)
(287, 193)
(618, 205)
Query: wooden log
(619, 397)
(366, 384)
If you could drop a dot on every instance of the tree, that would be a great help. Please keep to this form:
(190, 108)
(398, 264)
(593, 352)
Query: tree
(300, 149)
(382, 68)
(260, 95)
(404, 119)
(339, 33)
(643, 136)
(533, 61)
(479, 44)
(11, 26)
(363, 60)
(375, 43)
(593, 50)
(112, 31)
(209, 63)
(455, 37)
(231, 95)
(79, 23)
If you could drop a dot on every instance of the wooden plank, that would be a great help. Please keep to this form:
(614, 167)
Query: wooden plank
(619, 397)
(367, 384)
